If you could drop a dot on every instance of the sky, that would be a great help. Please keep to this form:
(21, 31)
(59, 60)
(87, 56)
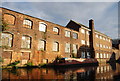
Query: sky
(104, 13)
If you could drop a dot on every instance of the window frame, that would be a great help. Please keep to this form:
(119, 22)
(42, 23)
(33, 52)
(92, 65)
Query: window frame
(57, 33)
(27, 23)
(44, 25)
(57, 48)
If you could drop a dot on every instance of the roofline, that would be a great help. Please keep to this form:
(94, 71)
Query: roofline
(30, 16)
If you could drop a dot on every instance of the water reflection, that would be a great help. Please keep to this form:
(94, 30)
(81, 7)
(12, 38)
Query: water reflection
(101, 72)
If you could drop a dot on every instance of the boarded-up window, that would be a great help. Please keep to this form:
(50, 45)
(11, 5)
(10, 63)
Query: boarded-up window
(41, 45)
(42, 27)
(75, 35)
(26, 42)
(67, 33)
(74, 48)
(6, 39)
(56, 30)
(55, 46)
(9, 19)
(27, 23)
(67, 47)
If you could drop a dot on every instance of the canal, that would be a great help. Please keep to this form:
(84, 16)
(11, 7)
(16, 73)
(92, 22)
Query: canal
(108, 72)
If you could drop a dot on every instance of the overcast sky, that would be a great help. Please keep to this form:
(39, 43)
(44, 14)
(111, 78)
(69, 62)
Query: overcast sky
(104, 14)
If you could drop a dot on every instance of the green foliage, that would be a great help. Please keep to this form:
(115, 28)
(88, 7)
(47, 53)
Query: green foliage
(5, 26)
(5, 47)
(13, 64)
(1, 59)
(58, 58)
(29, 64)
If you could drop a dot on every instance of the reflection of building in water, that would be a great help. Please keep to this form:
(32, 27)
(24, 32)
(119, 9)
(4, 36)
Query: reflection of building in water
(31, 39)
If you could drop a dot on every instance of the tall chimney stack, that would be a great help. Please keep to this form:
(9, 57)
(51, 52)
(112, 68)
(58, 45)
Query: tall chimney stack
(91, 38)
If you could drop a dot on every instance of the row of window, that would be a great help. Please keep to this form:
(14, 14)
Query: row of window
(83, 31)
(83, 55)
(100, 55)
(103, 69)
(101, 37)
(83, 42)
(26, 43)
(103, 46)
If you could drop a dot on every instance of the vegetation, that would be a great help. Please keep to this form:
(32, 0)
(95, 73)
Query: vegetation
(13, 64)
(1, 59)
(4, 26)
(29, 64)
(5, 47)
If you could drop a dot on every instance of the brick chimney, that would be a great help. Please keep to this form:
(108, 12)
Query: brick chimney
(91, 37)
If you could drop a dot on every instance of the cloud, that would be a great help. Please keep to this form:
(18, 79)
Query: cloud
(103, 13)
(60, 0)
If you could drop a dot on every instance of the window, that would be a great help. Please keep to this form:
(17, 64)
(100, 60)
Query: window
(41, 45)
(67, 33)
(74, 48)
(56, 30)
(9, 18)
(26, 42)
(100, 37)
(67, 47)
(101, 56)
(87, 32)
(97, 44)
(88, 54)
(55, 46)
(97, 55)
(101, 45)
(75, 35)
(96, 35)
(88, 43)
(6, 39)
(82, 31)
(103, 38)
(42, 27)
(27, 23)
(83, 42)
(104, 55)
(82, 54)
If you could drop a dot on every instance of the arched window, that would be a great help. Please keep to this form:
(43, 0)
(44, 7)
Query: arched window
(41, 44)
(56, 30)
(26, 42)
(42, 27)
(55, 46)
(9, 18)
(27, 23)
(6, 39)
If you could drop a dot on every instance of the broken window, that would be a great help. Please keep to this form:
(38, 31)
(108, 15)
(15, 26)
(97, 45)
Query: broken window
(75, 35)
(42, 27)
(9, 18)
(41, 45)
(6, 39)
(67, 33)
(27, 23)
(74, 48)
(26, 42)
(55, 46)
(67, 47)
(56, 30)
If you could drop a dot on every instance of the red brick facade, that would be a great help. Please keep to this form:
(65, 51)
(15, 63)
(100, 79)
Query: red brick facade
(31, 54)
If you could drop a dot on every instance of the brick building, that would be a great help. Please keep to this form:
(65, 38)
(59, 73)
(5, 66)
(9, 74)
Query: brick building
(30, 39)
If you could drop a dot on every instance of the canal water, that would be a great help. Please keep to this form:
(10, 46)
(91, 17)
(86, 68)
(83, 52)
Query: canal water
(108, 72)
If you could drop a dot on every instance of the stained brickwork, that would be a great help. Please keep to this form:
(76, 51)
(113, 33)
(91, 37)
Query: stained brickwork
(37, 56)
